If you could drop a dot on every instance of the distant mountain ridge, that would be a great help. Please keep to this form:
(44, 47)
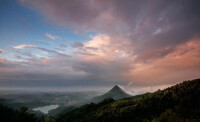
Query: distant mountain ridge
(178, 103)
(115, 93)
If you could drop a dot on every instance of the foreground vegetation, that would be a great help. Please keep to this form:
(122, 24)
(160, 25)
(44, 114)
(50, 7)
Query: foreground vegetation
(20, 115)
(177, 103)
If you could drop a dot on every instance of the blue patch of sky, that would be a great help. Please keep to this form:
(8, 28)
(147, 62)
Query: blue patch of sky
(21, 25)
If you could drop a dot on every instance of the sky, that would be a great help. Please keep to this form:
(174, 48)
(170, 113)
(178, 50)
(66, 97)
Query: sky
(132, 43)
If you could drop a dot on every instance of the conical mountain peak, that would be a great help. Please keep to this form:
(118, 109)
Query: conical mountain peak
(116, 93)
(116, 87)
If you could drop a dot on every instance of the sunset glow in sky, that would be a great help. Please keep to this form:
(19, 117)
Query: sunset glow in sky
(99, 42)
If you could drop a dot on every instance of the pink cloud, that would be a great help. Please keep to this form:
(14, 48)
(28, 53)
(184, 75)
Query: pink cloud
(180, 64)
(45, 61)
(24, 46)
(1, 50)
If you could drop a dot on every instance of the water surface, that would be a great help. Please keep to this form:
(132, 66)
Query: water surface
(46, 109)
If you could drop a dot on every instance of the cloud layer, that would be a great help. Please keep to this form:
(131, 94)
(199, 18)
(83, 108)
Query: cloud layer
(158, 24)
(138, 42)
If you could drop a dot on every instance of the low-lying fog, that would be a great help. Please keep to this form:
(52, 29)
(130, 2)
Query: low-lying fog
(60, 96)
(44, 99)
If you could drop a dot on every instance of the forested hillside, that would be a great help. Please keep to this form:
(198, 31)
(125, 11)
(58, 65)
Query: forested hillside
(177, 103)
(20, 115)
